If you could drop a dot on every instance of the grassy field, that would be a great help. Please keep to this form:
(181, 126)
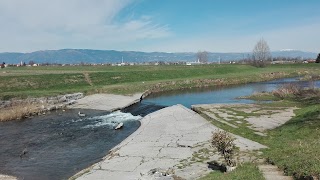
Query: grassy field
(25, 82)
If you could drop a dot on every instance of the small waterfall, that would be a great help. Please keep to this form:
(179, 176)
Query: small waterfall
(142, 108)
(111, 120)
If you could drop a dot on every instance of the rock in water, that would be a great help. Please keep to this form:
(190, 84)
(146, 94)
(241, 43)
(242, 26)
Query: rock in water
(81, 114)
(120, 125)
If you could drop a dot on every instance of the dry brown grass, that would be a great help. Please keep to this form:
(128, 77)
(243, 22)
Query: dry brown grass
(287, 90)
(20, 110)
(225, 145)
(310, 95)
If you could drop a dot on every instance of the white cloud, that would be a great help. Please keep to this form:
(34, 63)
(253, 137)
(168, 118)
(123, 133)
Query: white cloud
(29, 25)
(46, 24)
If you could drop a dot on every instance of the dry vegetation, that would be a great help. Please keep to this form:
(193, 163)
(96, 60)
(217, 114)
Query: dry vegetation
(310, 95)
(225, 145)
(20, 110)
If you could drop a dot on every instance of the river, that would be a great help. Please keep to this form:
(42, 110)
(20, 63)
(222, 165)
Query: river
(60, 144)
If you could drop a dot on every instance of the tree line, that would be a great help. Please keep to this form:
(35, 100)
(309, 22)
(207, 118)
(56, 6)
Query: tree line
(260, 54)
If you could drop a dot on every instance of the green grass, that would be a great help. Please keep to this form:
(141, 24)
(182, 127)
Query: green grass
(24, 82)
(295, 146)
(244, 171)
(242, 129)
(267, 96)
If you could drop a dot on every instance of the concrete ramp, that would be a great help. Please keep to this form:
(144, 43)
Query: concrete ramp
(106, 102)
(164, 139)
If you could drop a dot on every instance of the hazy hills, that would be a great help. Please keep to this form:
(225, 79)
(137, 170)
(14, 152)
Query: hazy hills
(72, 56)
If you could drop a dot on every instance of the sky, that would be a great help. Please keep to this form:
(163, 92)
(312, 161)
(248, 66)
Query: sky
(159, 25)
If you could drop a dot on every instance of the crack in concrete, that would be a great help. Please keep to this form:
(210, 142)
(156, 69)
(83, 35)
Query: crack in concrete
(112, 170)
(160, 147)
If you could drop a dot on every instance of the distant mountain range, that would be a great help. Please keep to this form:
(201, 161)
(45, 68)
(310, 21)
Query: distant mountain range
(73, 56)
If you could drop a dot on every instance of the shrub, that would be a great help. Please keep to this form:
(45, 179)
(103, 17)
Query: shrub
(287, 90)
(224, 143)
(309, 95)
(258, 63)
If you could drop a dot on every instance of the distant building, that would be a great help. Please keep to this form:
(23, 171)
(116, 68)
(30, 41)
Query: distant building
(309, 61)
(122, 63)
(193, 63)
(282, 62)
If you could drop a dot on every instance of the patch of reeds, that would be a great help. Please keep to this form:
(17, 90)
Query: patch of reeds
(287, 90)
(310, 95)
(20, 110)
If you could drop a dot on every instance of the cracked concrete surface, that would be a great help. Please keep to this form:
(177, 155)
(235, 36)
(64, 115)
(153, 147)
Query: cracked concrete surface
(165, 138)
(259, 117)
(106, 102)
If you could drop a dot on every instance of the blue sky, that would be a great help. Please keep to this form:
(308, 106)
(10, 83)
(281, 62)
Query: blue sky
(159, 25)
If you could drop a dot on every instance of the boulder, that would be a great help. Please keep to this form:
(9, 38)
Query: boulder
(119, 126)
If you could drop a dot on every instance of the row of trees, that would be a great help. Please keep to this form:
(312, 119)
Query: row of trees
(261, 53)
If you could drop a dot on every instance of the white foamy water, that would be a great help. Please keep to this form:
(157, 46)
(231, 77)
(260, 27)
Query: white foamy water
(112, 119)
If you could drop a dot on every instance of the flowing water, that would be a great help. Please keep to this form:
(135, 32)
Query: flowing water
(220, 95)
(60, 144)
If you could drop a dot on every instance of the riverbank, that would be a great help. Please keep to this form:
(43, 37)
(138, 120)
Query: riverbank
(17, 109)
(32, 107)
(20, 83)
(171, 138)
(27, 82)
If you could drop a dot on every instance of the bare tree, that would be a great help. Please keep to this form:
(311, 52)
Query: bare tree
(31, 63)
(261, 53)
(318, 58)
(202, 56)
